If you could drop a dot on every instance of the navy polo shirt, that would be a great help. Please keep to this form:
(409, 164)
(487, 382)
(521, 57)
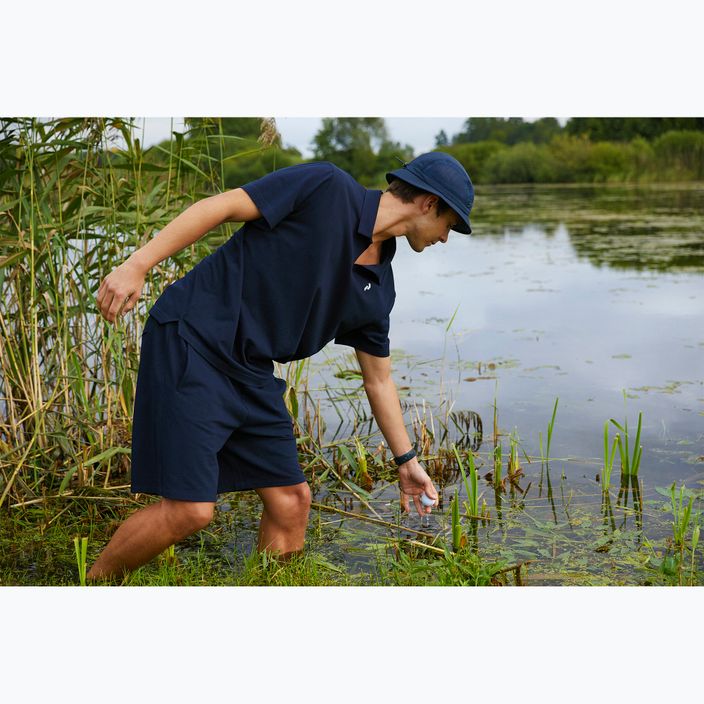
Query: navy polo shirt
(286, 284)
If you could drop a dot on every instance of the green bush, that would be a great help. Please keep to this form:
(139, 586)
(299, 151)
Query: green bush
(522, 163)
(641, 157)
(473, 156)
(608, 161)
(571, 156)
(680, 154)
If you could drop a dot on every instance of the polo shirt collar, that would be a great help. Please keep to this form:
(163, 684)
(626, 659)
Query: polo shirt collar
(370, 207)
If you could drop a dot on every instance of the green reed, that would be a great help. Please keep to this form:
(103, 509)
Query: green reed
(81, 547)
(629, 464)
(695, 542)
(471, 484)
(456, 524)
(608, 457)
(514, 470)
(681, 516)
(74, 204)
(551, 426)
(498, 462)
(514, 464)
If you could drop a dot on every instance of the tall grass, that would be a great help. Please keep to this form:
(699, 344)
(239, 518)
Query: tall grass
(77, 196)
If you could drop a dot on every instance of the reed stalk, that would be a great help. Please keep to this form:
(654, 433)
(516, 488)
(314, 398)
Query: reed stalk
(471, 484)
(81, 548)
(608, 458)
(514, 466)
(77, 197)
(695, 542)
(681, 516)
(456, 525)
(545, 457)
(551, 426)
(629, 465)
(498, 467)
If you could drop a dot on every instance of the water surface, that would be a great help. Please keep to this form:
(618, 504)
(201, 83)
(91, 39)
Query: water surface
(591, 294)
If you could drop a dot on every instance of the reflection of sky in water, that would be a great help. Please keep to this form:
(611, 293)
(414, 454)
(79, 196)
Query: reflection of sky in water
(554, 325)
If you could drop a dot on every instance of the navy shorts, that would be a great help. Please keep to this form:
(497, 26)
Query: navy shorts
(196, 432)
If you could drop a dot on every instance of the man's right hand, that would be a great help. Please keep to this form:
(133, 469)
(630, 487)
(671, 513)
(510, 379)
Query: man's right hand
(120, 290)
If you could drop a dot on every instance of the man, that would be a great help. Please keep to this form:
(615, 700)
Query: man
(311, 263)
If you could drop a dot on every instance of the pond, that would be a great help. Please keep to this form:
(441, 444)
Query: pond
(593, 295)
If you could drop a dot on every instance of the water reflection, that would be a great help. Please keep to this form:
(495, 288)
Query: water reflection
(637, 228)
(631, 486)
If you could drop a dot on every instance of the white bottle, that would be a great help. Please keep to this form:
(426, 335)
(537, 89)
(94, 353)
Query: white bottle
(426, 500)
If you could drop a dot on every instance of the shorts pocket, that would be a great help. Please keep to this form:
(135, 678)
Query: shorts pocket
(186, 359)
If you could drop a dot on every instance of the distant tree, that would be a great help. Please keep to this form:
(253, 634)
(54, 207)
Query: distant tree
(359, 145)
(623, 129)
(441, 139)
(480, 129)
(544, 129)
(511, 130)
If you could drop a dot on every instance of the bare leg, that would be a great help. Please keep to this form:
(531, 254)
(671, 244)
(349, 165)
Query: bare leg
(148, 532)
(284, 519)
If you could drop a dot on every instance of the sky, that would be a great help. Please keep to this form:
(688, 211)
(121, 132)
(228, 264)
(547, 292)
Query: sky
(298, 132)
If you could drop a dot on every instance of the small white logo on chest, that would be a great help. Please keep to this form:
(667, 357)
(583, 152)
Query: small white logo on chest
(367, 287)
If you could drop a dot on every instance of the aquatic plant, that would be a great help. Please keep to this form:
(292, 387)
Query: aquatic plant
(629, 465)
(551, 425)
(458, 538)
(471, 485)
(514, 466)
(485, 514)
(608, 458)
(81, 549)
(460, 568)
(358, 463)
(695, 542)
(680, 515)
(496, 416)
(498, 462)
(294, 374)
(513, 463)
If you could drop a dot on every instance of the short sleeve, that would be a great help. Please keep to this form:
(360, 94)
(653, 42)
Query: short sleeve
(281, 192)
(372, 338)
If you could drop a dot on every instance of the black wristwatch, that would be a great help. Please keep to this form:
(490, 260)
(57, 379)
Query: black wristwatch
(401, 459)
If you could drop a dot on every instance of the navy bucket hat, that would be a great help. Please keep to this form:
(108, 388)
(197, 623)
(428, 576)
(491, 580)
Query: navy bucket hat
(444, 176)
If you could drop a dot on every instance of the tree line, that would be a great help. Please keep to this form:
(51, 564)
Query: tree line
(492, 149)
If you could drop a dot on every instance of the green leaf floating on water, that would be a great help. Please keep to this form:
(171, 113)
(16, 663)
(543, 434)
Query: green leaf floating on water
(686, 493)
